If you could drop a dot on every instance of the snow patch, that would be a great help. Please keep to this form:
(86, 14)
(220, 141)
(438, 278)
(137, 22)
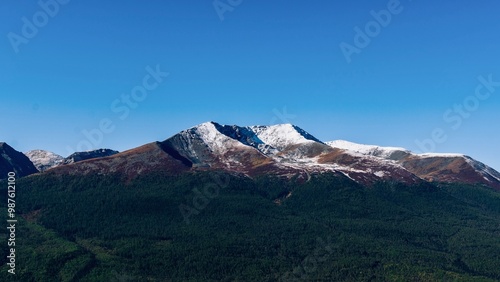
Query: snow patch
(282, 135)
(371, 150)
(440, 155)
(215, 140)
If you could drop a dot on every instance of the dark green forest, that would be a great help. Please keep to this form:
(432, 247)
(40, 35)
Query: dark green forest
(209, 226)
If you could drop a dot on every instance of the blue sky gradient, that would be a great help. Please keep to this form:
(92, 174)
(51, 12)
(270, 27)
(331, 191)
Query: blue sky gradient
(264, 62)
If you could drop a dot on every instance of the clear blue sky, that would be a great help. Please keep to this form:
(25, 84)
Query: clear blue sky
(263, 57)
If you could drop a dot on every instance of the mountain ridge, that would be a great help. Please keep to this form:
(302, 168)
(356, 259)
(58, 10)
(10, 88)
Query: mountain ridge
(14, 161)
(415, 162)
(283, 150)
(286, 150)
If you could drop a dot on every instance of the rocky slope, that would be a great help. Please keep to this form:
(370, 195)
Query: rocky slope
(14, 161)
(429, 166)
(82, 156)
(44, 160)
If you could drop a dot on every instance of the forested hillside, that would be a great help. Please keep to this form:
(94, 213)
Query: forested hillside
(216, 227)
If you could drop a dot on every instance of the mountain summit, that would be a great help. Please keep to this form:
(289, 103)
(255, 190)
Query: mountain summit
(285, 150)
(44, 160)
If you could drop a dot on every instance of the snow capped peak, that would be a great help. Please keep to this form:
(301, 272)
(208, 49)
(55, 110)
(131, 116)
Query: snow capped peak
(210, 133)
(207, 127)
(281, 136)
(208, 123)
(44, 160)
(267, 139)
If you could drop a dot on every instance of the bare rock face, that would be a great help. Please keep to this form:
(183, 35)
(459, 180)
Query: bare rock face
(82, 156)
(14, 161)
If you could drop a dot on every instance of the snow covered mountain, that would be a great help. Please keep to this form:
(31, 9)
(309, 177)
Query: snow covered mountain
(211, 145)
(44, 160)
(220, 139)
(428, 166)
(282, 136)
(283, 150)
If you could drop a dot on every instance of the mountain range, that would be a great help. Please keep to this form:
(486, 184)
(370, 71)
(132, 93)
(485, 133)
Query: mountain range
(251, 203)
(284, 150)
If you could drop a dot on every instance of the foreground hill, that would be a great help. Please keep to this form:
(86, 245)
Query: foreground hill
(206, 226)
